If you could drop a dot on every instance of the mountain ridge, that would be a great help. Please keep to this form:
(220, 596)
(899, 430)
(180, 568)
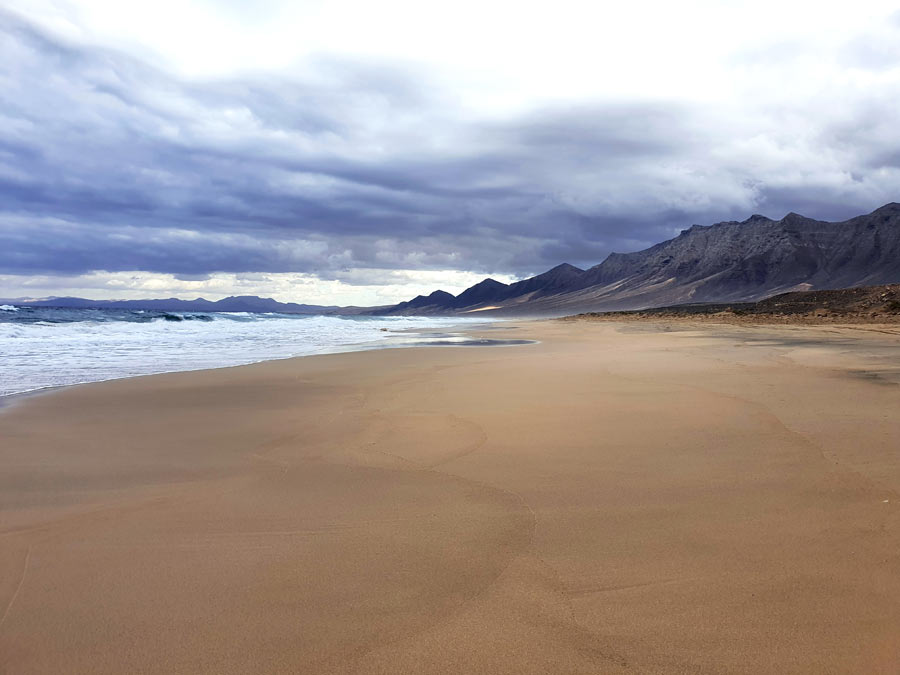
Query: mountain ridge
(233, 303)
(727, 261)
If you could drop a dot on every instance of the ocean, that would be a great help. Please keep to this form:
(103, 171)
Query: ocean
(52, 347)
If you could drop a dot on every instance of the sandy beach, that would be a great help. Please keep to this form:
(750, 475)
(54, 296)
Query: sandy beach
(619, 498)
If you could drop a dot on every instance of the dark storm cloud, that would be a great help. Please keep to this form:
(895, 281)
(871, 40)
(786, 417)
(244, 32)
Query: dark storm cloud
(107, 163)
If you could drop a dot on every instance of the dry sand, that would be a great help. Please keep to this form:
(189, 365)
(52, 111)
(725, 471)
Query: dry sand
(618, 498)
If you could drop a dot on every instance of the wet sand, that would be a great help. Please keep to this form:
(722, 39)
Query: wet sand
(618, 499)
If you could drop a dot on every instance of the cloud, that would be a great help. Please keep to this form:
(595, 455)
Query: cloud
(877, 49)
(354, 287)
(353, 170)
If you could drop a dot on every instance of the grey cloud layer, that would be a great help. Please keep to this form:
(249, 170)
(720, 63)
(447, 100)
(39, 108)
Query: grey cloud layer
(109, 164)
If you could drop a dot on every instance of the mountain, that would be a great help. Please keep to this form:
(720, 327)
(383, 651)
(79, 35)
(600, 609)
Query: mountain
(242, 303)
(438, 302)
(726, 262)
(559, 279)
(482, 293)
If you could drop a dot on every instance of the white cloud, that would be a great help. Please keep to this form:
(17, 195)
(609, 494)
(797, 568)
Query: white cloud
(493, 55)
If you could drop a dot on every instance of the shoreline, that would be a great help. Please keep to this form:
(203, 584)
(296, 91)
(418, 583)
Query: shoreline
(614, 498)
(10, 399)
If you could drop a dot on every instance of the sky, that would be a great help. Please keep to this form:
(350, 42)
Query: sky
(360, 153)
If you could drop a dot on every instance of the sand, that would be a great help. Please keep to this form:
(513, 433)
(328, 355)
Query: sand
(616, 499)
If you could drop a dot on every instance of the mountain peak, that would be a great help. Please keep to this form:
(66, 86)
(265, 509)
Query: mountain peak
(888, 209)
(561, 271)
(440, 299)
(725, 262)
(793, 217)
(695, 228)
(487, 291)
(486, 283)
(564, 267)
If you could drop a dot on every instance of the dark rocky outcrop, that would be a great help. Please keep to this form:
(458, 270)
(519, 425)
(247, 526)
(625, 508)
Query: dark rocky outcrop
(483, 293)
(726, 262)
(439, 302)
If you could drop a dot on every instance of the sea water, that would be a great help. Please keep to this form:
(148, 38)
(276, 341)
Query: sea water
(52, 347)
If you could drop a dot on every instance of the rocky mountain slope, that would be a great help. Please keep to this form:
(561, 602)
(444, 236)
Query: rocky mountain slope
(726, 262)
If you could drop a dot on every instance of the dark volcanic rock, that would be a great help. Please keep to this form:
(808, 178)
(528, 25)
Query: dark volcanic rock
(726, 262)
(439, 302)
(561, 279)
(757, 257)
(483, 293)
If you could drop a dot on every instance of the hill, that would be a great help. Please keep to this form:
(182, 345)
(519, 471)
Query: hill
(241, 303)
(866, 304)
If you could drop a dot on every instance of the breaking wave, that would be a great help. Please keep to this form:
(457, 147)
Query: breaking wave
(49, 347)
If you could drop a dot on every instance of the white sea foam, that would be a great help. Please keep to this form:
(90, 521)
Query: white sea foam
(45, 354)
(8, 308)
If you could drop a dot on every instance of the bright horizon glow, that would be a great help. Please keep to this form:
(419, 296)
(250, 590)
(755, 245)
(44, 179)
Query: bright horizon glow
(395, 286)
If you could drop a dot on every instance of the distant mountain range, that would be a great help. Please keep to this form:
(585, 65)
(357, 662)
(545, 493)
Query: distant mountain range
(241, 303)
(726, 262)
